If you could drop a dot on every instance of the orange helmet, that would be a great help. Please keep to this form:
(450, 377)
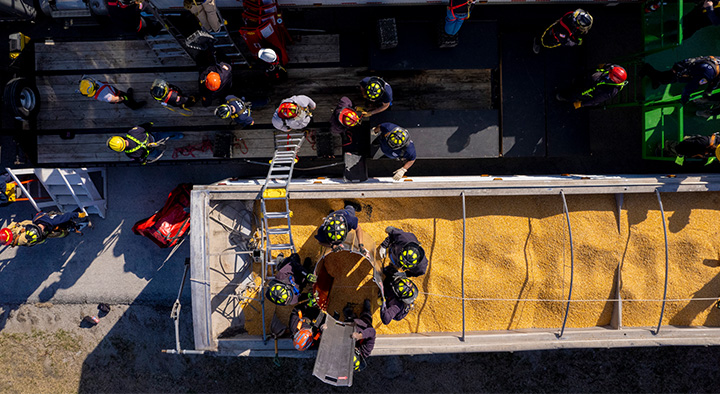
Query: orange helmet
(302, 339)
(288, 110)
(349, 117)
(6, 236)
(212, 81)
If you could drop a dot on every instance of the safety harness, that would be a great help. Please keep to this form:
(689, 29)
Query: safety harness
(570, 32)
(102, 87)
(452, 9)
(140, 145)
(605, 72)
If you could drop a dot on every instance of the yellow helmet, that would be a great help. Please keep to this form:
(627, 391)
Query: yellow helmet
(117, 143)
(87, 87)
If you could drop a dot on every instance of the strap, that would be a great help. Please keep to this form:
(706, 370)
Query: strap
(140, 145)
(101, 88)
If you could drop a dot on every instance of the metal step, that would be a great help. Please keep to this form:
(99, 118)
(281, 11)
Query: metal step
(281, 246)
(278, 231)
(278, 215)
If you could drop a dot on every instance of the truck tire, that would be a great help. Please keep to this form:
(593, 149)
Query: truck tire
(22, 98)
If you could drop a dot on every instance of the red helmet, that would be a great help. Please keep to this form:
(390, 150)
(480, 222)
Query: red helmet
(212, 81)
(6, 236)
(349, 117)
(288, 110)
(617, 74)
(303, 339)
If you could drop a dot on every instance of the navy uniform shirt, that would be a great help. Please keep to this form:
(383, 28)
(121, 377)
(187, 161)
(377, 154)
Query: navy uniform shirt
(395, 242)
(407, 153)
(141, 134)
(395, 308)
(351, 222)
(386, 97)
(241, 116)
(225, 72)
(291, 272)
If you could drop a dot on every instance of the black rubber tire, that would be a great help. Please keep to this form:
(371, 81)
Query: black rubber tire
(22, 98)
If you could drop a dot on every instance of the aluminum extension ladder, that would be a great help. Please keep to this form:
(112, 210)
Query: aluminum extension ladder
(225, 45)
(69, 189)
(276, 189)
(169, 44)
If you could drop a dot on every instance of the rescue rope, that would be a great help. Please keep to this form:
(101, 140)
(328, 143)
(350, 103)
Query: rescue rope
(188, 150)
(241, 145)
(185, 109)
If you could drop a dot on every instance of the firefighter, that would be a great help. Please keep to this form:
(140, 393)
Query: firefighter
(139, 144)
(127, 14)
(237, 110)
(273, 70)
(290, 279)
(306, 322)
(377, 91)
(566, 31)
(215, 81)
(695, 146)
(457, 12)
(604, 84)
(42, 226)
(343, 119)
(697, 72)
(404, 251)
(103, 91)
(336, 226)
(398, 302)
(364, 333)
(294, 113)
(170, 95)
(396, 144)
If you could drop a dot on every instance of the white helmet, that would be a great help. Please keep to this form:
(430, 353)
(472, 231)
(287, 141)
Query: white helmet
(267, 55)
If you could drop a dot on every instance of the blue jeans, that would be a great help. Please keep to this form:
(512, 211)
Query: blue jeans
(453, 25)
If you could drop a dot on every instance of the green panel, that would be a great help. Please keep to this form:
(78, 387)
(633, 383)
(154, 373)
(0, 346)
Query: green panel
(662, 27)
(662, 123)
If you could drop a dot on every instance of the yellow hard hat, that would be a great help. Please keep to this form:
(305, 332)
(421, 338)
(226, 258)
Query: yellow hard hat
(117, 143)
(87, 87)
(717, 152)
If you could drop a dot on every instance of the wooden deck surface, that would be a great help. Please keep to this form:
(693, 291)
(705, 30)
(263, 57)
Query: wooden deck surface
(63, 108)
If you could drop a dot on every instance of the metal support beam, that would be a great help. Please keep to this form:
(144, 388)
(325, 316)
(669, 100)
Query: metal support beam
(667, 263)
(572, 264)
(462, 269)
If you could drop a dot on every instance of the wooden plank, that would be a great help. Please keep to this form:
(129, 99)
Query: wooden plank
(89, 55)
(63, 108)
(324, 48)
(91, 148)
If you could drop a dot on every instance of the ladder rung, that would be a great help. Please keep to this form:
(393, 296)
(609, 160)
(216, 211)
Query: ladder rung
(280, 176)
(279, 168)
(274, 193)
(278, 215)
(223, 45)
(278, 231)
(280, 246)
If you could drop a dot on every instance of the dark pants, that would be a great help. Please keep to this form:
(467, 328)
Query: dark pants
(129, 100)
(50, 221)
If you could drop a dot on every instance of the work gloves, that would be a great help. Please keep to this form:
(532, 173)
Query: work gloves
(399, 173)
(382, 252)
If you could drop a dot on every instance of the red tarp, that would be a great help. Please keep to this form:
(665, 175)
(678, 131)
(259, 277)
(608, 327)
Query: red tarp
(169, 224)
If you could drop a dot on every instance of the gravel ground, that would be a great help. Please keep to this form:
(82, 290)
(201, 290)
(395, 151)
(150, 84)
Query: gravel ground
(42, 349)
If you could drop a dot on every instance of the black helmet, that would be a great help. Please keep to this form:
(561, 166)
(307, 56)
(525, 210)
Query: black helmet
(404, 289)
(411, 255)
(582, 19)
(398, 138)
(223, 111)
(335, 228)
(159, 89)
(374, 89)
(279, 293)
(34, 234)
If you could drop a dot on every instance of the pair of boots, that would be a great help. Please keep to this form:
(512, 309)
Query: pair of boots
(350, 313)
(130, 102)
